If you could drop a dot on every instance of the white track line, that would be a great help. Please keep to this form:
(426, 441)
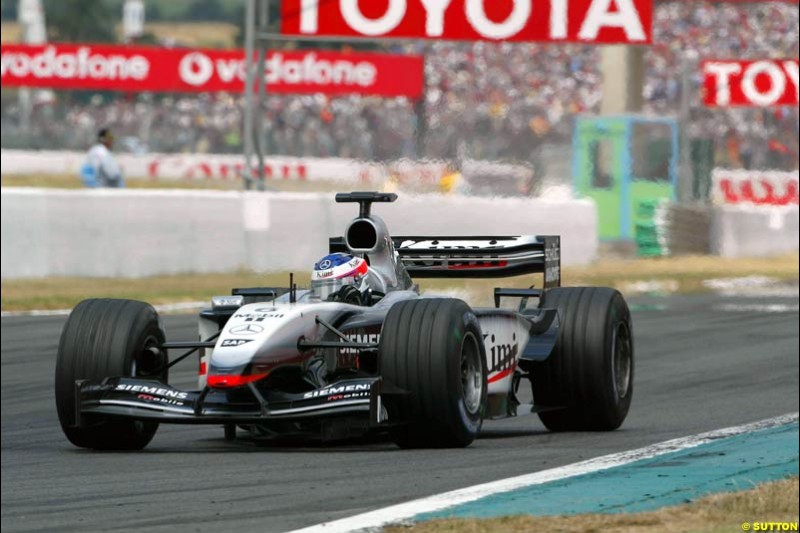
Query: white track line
(757, 308)
(404, 511)
(166, 308)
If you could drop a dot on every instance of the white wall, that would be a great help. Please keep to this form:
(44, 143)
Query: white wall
(752, 231)
(49, 232)
(135, 233)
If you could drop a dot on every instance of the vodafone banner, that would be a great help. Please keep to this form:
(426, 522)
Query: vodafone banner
(134, 69)
(750, 83)
(588, 21)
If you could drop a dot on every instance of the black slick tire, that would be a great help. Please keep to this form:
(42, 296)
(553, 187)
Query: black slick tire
(590, 372)
(107, 338)
(433, 349)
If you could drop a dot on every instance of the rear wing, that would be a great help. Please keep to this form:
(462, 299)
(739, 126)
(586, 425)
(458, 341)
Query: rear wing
(477, 257)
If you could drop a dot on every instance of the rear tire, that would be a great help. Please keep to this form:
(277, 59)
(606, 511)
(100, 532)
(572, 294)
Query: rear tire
(107, 338)
(590, 371)
(433, 348)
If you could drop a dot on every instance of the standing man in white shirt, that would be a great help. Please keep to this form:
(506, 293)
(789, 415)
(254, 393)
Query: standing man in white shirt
(100, 168)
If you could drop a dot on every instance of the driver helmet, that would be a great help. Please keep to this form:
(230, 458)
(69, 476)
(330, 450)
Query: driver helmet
(335, 271)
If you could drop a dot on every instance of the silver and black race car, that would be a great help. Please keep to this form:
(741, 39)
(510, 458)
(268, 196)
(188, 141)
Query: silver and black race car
(362, 358)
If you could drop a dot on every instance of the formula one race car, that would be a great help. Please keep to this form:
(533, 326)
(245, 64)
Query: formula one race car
(360, 351)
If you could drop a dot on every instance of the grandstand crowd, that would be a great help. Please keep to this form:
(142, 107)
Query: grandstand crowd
(485, 100)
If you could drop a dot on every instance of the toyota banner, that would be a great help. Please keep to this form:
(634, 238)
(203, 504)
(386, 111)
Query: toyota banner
(583, 21)
(140, 68)
(761, 83)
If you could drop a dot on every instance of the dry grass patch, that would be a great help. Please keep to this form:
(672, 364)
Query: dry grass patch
(61, 293)
(191, 34)
(770, 502)
(10, 32)
(64, 293)
(48, 181)
(67, 181)
(678, 274)
(196, 34)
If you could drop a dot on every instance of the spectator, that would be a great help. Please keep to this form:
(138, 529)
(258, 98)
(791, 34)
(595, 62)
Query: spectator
(101, 168)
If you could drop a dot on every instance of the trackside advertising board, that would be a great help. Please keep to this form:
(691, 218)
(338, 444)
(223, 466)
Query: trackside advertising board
(586, 21)
(761, 83)
(754, 187)
(139, 68)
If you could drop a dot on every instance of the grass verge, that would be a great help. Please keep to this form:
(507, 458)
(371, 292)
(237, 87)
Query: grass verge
(770, 502)
(194, 34)
(66, 181)
(190, 34)
(664, 274)
(10, 32)
(64, 293)
(678, 274)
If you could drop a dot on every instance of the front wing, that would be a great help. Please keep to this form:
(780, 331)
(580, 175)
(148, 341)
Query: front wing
(152, 400)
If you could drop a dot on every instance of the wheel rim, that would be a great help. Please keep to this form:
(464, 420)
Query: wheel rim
(145, 362)
(471, 373)
(623, 359)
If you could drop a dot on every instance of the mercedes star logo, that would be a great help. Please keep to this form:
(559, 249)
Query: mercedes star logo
(325, 264)
(246, 329)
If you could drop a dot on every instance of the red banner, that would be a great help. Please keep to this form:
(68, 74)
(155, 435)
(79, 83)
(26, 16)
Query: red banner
(754, 187)
(587, 21)
(135, 69)
(750, 83)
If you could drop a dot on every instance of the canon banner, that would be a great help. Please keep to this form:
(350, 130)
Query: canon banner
(588, 21)
(750, 83)
(134, 69)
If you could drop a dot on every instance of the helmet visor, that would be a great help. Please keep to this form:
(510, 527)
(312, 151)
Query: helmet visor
(324, 288)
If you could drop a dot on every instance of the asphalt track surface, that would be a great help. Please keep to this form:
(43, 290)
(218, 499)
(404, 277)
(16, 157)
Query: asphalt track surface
(698, 368)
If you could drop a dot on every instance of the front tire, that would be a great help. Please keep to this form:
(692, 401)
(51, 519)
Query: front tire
(590, 371)
(107, 338)
(433, 348)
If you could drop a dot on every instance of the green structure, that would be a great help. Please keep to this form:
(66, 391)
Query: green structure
(625, 163)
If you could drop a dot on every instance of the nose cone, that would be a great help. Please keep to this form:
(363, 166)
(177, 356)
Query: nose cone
(259, 338)
(228, 381)
(227, 376)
